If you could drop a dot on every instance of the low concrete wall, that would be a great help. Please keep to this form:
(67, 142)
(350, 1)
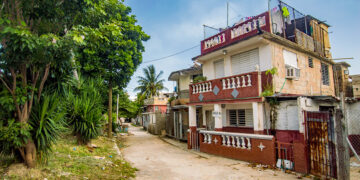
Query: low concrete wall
(255, 154)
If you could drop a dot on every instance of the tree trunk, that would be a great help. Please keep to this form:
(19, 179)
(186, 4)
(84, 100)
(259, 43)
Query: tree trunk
(110, 109)
(30, 154)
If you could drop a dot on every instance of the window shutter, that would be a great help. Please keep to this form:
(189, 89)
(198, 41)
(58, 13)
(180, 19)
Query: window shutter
(290, 58)
(249, 117)
(245, 62)
(219, 69)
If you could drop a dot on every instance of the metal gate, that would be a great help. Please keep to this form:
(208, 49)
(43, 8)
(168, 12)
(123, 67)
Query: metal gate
(194, 139)
(321, 143)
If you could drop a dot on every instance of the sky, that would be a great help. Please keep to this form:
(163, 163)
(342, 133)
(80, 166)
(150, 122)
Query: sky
(176, 25)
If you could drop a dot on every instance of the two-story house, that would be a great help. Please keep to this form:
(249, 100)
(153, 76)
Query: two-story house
(177, 122)
(154, 113)
(265, 78)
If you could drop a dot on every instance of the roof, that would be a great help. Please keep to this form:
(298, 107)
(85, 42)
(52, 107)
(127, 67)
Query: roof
(192, 70)
(343, 64)
(295, 96)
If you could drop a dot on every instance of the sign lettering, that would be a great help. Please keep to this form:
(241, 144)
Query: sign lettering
(247, 27)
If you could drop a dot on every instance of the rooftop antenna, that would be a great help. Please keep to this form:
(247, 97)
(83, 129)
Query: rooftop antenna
(227, 14)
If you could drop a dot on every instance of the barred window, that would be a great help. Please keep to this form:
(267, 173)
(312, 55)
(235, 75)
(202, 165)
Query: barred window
(311, 63)
(325, 74)
(240, 117)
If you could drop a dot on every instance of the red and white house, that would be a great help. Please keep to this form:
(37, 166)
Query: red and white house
(236, 120)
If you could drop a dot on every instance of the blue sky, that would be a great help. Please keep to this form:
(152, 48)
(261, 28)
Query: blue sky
(175, 25)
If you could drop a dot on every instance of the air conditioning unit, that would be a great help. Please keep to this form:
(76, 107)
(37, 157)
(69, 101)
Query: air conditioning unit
(292, 73)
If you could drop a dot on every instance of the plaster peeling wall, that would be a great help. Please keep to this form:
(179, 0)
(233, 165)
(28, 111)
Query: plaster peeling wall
(309, 82)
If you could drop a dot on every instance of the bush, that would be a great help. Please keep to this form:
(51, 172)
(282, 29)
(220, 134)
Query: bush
(85, 106)
(47, 121)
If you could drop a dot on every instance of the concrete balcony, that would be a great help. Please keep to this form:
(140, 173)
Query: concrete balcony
(241, 87)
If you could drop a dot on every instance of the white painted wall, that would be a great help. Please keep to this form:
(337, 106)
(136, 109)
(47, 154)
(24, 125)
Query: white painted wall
(184, 82)
(265, 56)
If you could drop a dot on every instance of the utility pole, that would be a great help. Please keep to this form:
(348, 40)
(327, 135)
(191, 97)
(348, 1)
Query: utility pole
(117, 109)
(342, 148)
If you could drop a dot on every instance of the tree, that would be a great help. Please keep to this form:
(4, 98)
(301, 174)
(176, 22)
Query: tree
(112, 46)
(151, 84)
(33, 37)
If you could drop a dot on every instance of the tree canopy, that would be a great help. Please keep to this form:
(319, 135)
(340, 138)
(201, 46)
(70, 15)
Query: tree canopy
(151, 84)
(41, 40)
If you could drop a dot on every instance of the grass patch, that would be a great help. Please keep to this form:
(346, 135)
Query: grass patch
(71, 161)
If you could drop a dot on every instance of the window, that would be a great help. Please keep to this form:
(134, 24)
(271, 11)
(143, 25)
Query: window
(240, 117)
(219, 69)
(346, 72)
(290, 58)
(156, 108)
(245, 62)
(311, 63)
(325, 74)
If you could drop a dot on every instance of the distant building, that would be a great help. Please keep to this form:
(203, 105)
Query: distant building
(355, 85)
(154, 112)
(177, 122)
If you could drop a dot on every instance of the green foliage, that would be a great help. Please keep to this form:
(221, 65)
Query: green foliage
(13, 135)
(151, 84)
(269, 88)
(198, 79)
(171, 99)
(84, 107)
(47, 120)
(109, 42)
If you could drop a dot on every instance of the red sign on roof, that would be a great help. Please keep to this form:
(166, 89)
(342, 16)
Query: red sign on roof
(236, 33)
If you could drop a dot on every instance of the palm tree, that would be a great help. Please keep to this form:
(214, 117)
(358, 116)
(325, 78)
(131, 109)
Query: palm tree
(151, 84)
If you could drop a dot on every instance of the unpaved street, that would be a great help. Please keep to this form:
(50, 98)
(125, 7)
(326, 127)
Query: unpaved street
(157, 159)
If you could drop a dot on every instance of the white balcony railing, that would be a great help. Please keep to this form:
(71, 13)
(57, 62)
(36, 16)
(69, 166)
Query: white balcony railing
(202, 87)
(237, 140)
(231, 82)
(236, 82)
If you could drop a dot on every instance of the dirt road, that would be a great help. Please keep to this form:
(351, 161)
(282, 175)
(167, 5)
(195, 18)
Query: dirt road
(157, 159)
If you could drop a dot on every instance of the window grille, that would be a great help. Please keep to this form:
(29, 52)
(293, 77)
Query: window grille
(325, 74)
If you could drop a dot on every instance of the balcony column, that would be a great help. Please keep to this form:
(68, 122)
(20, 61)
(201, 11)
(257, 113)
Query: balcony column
(192, 125)
(218, 117)
(258, 116)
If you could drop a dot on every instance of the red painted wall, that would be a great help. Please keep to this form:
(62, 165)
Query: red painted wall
(255, 155)
(151, 108)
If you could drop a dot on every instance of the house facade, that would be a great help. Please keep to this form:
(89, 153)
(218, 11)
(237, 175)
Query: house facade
(266, 84)
(154, 113)
(177, 122)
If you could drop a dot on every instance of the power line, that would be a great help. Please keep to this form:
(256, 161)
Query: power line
(158, 59)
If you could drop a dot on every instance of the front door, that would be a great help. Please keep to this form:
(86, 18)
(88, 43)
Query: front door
(320, 138)
(210, 120)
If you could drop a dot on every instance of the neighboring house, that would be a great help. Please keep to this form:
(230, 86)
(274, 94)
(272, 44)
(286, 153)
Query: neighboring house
(242, 124)
(342, 84)
(154, 112)
(177, 122)
(355, 85)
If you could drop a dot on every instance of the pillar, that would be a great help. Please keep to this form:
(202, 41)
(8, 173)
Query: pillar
(258, 116)
(218, 117)
(192, 124)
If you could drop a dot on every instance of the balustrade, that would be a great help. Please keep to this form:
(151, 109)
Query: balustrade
(232, 82)
(236, 82)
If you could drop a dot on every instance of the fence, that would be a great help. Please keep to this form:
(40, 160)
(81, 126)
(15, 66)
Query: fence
(353, 121)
